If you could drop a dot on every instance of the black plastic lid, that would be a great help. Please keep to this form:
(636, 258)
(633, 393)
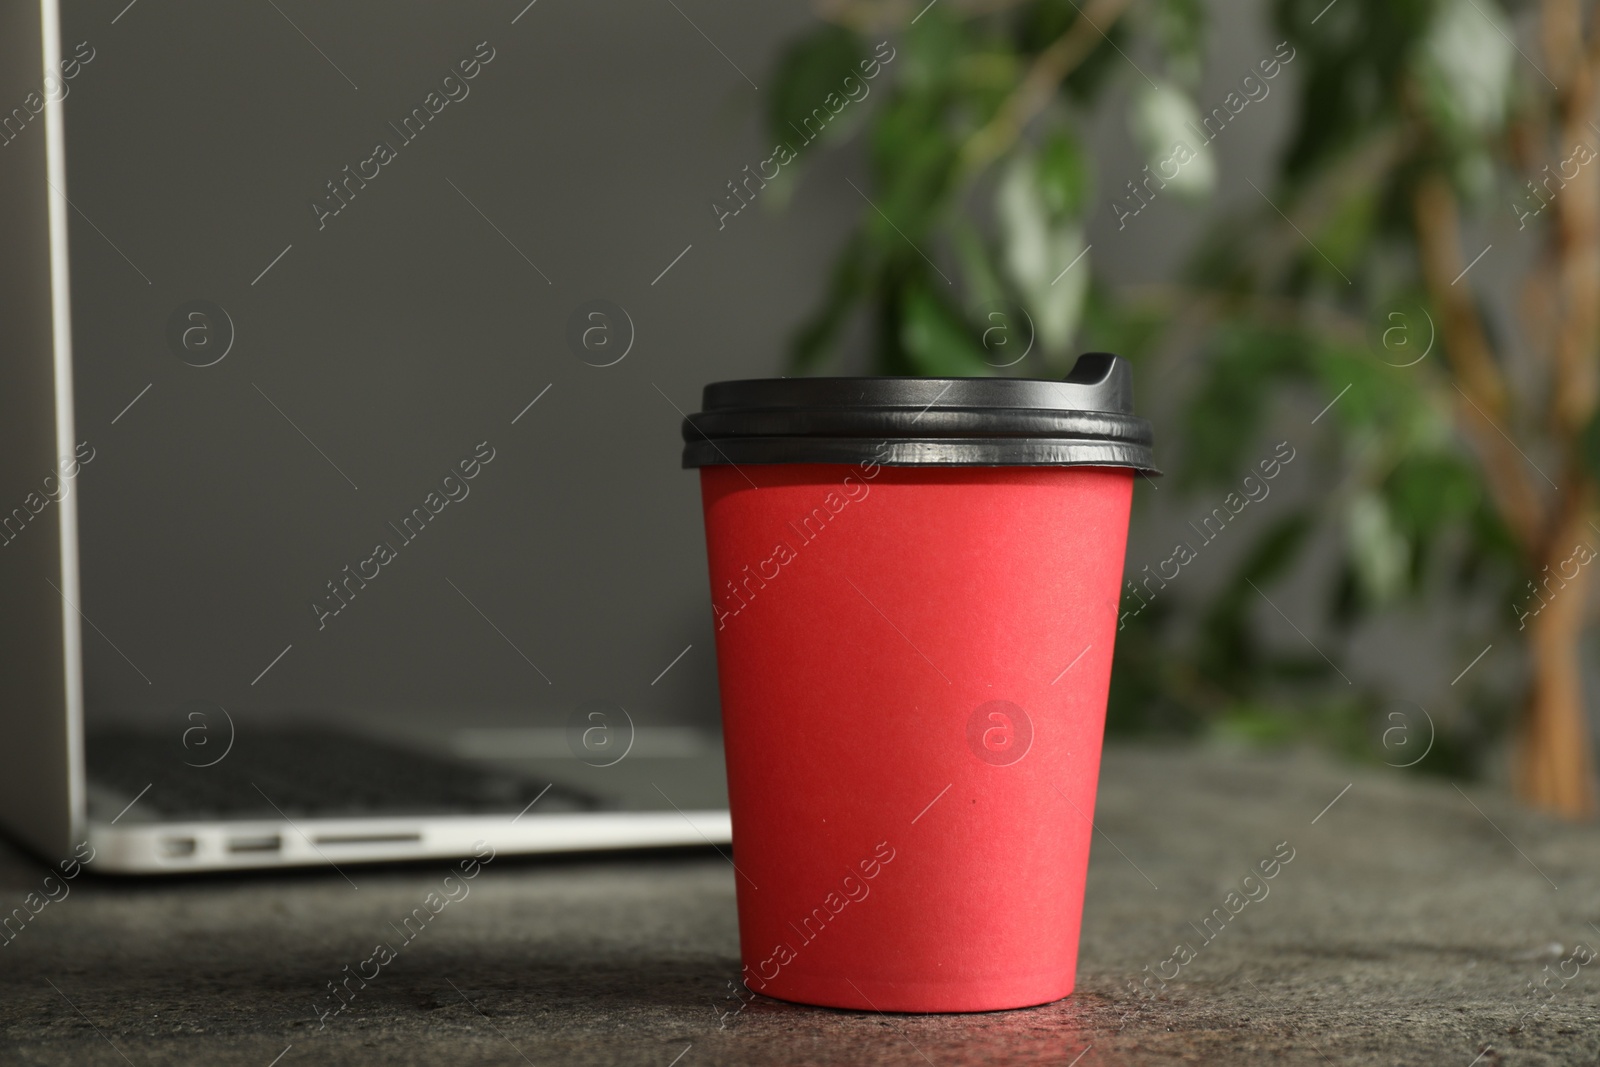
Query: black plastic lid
(1086, 419)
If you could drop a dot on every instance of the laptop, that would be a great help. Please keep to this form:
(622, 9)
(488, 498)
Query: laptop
(341, 510)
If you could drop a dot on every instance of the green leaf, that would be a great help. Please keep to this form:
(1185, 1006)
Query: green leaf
(1465, 65)
(1379, 553)
(981, 279)
(1244, 367)
(1428, 495)
(1063, 175)
(1113, 324)
(989, 75)
(933, 51)
(1180, 26)
(1351, 66)
(1045, 258)
(1164, 120)
(808, 71)
(1043, 21)
(1342, 724)
(914, 159)
(937, 340)
(1389, 401)
(1348, 233)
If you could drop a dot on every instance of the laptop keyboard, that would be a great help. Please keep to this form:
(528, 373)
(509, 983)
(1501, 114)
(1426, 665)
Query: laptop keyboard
(306, 773)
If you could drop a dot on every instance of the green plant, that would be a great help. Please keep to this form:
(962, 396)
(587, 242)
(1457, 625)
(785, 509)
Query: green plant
(1415, 122)
(984, 109)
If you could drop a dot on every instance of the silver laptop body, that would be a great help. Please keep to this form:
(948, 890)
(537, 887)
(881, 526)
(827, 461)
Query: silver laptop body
(145, 636)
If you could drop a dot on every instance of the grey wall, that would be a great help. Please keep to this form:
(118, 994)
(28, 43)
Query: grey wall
(401, 332)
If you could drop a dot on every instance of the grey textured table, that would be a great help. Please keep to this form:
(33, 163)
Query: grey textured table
(1406, 930)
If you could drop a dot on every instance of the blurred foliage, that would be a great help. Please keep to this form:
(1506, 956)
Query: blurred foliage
(1407, 523)
(981, 188)
(952, 82)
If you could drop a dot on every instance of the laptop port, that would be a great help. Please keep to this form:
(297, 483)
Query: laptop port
(264, 843)
(367, 839)
(174, 848)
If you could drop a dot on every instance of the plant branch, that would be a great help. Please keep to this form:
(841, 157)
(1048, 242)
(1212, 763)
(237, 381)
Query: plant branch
(1483, 403)
(1576, 240)
(1039, 85)
(1561, 39)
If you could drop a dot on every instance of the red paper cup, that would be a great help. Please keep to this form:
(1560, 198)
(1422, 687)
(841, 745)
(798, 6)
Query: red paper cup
(915, 584)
